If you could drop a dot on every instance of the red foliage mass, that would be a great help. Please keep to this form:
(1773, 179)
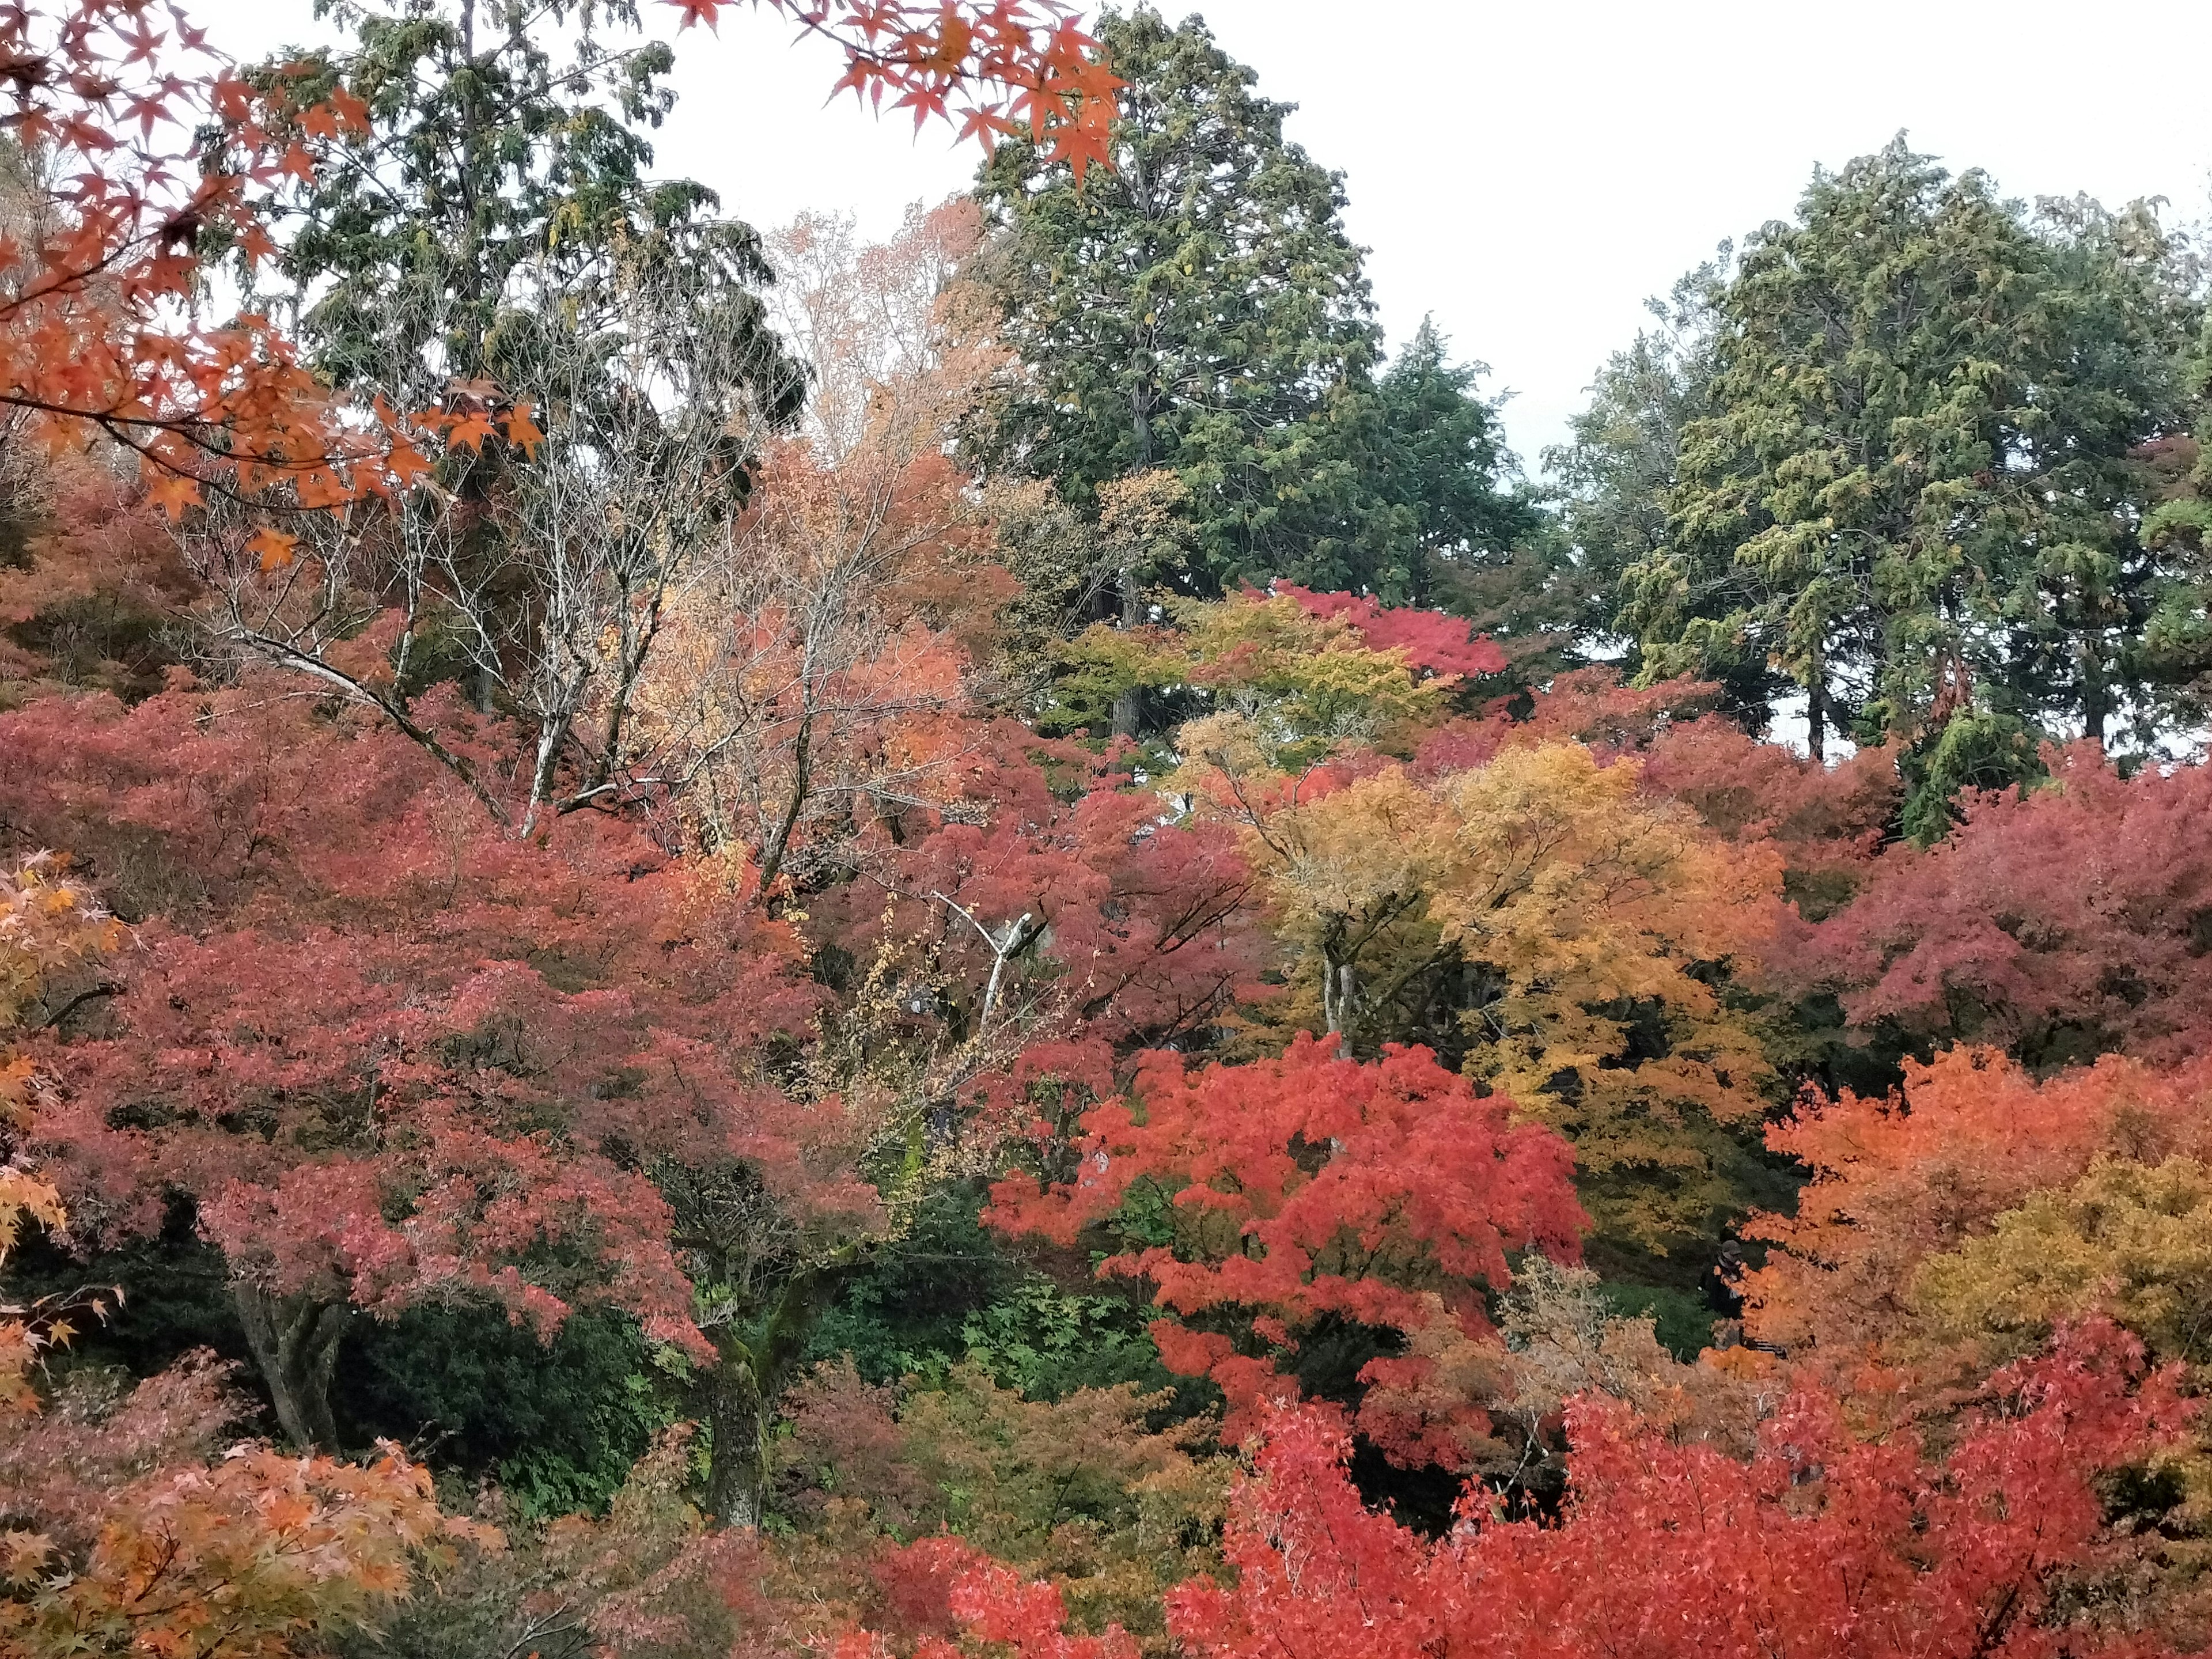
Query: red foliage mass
(393, 1052)
(1821, 1547)
(1310, 1185)
(2068, 924)
(1434, 639)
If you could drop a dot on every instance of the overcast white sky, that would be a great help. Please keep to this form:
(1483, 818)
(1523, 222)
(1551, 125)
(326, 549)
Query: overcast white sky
(1530, 172)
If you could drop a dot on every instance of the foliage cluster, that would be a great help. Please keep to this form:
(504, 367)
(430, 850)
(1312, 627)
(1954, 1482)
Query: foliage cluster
(723, 940)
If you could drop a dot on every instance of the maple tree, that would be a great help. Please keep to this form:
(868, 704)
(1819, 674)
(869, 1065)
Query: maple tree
(365, 1026)
(1432, 640)
(2125, 1241)
(1548, 917)
(249, 1557)
(1828, 823)
(1818, 1544)
(118, 1528)
(49, 927)
(1260, 1199)
(1898, 1179)
(2059, 925)
(1310, 662)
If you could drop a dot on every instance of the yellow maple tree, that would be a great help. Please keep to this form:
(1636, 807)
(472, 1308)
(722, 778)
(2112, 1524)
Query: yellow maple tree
(1574, 929)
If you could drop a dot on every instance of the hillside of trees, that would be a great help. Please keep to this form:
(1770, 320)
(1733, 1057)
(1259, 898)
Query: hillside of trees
(719, 941)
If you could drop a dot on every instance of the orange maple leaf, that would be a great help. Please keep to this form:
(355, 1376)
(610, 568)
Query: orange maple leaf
(275, 546)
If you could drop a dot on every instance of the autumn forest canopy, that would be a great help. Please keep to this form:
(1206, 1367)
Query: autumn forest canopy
(718, 940)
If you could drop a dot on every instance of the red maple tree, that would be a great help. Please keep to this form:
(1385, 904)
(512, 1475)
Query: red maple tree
(392, 1053)
(2059, 925)
(1821, 1545)
(1259, 1199)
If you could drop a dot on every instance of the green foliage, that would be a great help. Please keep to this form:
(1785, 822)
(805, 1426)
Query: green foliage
(1044, 1343)
(1441, 471)
(1910, 490)
(558, 1425)
(1210, 262)
(1680, 1318)
(1978, 750)
(1621, 464)
(1199, 309)
(490, 167)
(907, 1310)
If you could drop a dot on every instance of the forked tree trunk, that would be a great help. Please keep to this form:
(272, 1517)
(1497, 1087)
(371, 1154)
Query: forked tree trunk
(295, 1341)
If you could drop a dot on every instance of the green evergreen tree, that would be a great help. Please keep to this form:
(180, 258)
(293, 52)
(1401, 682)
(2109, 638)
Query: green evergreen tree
(1198, 309)
(494, 193)
(1615, 474)
(1442, 471)
(1911, 492)
(495, 239)
(2176, 646)
(2119, 305)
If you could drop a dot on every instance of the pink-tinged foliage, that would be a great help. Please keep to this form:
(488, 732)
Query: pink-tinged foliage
(1434, 639)
(2068, 924)
(1587, 706)
(393, 1052)
(1138, 933)
(1821, 1547)
(57, 1462)
(1312, 1185)
(942, 1581)
(1827, 822)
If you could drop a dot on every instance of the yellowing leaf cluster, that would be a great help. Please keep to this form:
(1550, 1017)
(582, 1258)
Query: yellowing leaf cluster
(1288, 688)
(1578, 926)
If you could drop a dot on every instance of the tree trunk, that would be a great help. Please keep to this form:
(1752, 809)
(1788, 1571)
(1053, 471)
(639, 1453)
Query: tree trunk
(743, 1388)
(1816, 707)
(295, 1341)
(1128, 706)
(2096, 702)
(738, 1416)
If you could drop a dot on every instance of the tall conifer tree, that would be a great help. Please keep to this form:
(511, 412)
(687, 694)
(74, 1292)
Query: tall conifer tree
(1197, 309)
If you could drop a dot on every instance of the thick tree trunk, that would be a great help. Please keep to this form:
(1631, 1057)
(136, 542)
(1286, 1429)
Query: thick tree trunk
(295, 1342)
(1816, 706)
(743, 1390)
(738, 1416)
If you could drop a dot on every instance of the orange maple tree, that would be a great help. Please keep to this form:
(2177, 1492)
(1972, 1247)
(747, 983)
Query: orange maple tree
(1897, 1179)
